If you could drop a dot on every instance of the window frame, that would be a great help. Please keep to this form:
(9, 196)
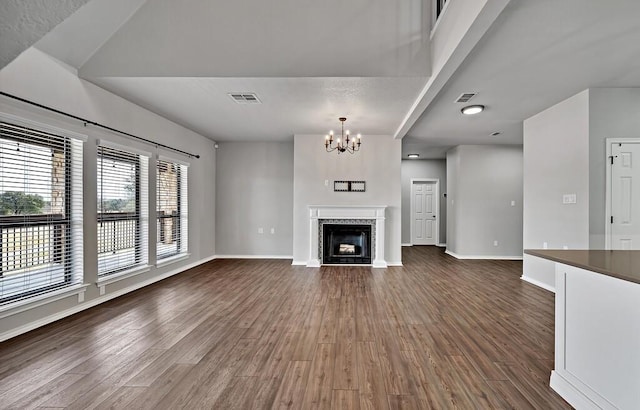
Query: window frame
(71, 145)
(181, 218)
(136, 158)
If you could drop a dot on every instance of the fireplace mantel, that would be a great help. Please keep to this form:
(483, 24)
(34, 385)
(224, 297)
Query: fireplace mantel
(318, 212)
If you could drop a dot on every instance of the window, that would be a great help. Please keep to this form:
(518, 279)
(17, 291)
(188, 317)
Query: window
(171, 207)
(122, 209)
(40, 210)
(439, 7)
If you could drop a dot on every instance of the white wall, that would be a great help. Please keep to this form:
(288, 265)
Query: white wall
(36, 76)
(423, 168)
(556, 162)
(254, 189)
(377, 163)
(483, 180)
(613, 113)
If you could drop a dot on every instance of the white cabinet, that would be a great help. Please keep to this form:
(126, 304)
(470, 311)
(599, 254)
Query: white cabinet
(597, 351)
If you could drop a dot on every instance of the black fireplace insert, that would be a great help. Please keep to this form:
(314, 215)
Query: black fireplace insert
(346, 244)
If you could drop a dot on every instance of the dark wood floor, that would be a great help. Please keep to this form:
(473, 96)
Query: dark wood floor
(437, 333)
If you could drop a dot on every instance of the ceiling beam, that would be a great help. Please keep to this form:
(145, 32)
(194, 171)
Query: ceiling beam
(443, 71)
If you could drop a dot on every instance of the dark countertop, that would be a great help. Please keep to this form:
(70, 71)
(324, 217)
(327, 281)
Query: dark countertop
(623, 265)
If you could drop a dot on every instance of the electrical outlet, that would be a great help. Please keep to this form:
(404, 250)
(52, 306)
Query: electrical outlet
(513, 203)
(565, 247)
(273, 230)
(544, 245)
(260, 230)
(495, 243)
(326, 182)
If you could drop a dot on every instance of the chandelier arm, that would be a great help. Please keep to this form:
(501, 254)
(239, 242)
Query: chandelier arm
(344, 143)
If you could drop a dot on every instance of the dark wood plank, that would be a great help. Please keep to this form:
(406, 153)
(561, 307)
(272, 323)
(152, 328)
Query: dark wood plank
(320, 382)
(435, 333)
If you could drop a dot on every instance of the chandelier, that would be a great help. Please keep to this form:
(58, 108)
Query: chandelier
(344, 143)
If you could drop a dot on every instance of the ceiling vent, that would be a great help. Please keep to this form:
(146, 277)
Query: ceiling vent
(465, 97)
(245, 98)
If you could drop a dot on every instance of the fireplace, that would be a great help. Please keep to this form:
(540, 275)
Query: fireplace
(346, 244)
(366, 246)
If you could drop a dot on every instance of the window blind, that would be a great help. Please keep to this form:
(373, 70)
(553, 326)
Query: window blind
(122, 210)
(171, 208)
(40, 211)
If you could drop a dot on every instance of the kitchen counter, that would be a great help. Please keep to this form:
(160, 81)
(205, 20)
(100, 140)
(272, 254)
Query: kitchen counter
(597, 327)
(623, 265)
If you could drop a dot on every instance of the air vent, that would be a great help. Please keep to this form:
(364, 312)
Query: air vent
(245, 98)
(465, 97)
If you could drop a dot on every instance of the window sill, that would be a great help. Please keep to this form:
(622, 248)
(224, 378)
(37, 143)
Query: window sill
(43, 299)
(115, 277)
(172, 259)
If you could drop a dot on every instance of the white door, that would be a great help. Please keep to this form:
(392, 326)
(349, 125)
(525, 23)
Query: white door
(424, 218)
(625, 196)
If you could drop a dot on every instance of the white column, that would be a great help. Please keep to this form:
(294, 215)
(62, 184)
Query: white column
(314, 247)
(379, 261)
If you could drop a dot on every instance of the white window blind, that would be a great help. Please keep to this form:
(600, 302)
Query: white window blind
(171, 207)
(123, 210)
(40, 211)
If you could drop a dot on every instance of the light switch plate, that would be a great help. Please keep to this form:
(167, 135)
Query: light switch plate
(569, 199)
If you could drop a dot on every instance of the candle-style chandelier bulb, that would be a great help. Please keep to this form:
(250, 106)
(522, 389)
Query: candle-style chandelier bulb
(349, 145)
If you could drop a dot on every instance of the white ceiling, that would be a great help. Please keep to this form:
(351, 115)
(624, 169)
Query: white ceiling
(536, 54)
(289, 106)
(23, 23)
(311, 62)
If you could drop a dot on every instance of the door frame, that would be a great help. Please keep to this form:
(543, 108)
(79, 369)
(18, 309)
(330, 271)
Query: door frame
(608, 207)
(436, 181)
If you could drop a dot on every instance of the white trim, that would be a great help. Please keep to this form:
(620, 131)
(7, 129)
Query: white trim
(57, 316)
(569, 392)
(164, 158)
(436, 181)
(122, 147)
(115, 277)
(172, 259)
(484, 257)
(407, 244)
(299, 263)
(608, 208)
(394, 264)
(256, 257)
(42, 126)
(538, 283)
(442, 245)
(43, 299)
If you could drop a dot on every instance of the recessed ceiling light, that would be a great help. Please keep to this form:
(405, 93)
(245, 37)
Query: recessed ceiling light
(472, 109)
(495, 134)
(413, 155)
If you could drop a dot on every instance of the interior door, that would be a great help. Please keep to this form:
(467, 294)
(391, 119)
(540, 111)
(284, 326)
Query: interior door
(424, 213)
(625, 196)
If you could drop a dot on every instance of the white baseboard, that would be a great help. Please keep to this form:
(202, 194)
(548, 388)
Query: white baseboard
(407, 244)
(441, 245)
(538, 283)
(299, 263)
(395, 263)
(570, 393)
(254, 256)
(94, 302)
(484, 257)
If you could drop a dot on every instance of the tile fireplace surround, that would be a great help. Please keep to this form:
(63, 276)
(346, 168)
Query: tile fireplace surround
(317, 213)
